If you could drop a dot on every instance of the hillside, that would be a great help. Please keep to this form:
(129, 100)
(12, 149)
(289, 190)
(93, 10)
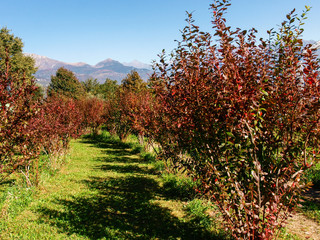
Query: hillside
(108, 68)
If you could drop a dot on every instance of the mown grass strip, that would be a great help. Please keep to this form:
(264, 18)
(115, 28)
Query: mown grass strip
(106, 191)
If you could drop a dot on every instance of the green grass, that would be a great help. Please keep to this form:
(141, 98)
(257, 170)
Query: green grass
(14, 200)
(313, 175)
(311, 209)
(178, 186)
(106, 190)
(284, 235)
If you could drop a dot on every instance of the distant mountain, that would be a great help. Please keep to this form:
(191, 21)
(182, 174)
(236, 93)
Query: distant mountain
(137, 64)
(105, 69)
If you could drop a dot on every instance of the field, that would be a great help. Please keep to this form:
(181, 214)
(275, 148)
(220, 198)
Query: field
(109, 190)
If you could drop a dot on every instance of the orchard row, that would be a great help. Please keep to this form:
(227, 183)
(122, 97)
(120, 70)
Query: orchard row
(240, 115)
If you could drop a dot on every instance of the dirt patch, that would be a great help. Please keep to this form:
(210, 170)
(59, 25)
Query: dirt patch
(303, 227)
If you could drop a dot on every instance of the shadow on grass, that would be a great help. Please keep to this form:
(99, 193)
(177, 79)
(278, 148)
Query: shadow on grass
(122, 207)
(311, 203)
(106, 142)
(7, 182)
(129, 168)
(119, 159)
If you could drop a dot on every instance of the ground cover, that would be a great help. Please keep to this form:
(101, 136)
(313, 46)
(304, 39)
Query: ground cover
(107, 190)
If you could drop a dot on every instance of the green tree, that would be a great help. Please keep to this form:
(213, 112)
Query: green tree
(108, 89)
(133, 82)
(39, 92)
(91, 86)
(65, 83)
(12, 60)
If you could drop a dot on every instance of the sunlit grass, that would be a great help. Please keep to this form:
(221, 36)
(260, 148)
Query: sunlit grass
(105, 190)
(312, 210)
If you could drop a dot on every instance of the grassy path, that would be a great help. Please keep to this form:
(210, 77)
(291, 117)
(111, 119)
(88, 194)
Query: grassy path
(105, 191)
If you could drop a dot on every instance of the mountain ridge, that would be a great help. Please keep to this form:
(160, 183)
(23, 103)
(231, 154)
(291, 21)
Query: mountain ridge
(104, 69)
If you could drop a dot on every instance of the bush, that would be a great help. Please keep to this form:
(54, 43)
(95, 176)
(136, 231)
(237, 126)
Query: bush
(242, 117)
(18, 106)
(93, 113)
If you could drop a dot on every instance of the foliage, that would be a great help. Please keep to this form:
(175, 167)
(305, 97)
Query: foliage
(28, 123)
(59, 120)
(123, 111)
(17, 106)
(118, 114)
(242, 117)
(108, 89)
(65, 83)
(93, 113)
(12, 59)
(91, 86)
(133, 82)
(39, 93)
(147, 115)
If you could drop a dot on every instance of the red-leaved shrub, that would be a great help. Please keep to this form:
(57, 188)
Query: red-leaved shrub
(17, 108)
(241, 116)
(93, 113)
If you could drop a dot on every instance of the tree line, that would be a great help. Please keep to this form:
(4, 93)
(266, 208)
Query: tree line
(34, 123)
(239, 115)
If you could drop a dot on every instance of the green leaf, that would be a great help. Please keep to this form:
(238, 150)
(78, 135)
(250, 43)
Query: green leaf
(265, 93)
(230, 134)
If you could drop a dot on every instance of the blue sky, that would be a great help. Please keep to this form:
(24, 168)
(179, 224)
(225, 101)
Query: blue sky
(93, 30)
